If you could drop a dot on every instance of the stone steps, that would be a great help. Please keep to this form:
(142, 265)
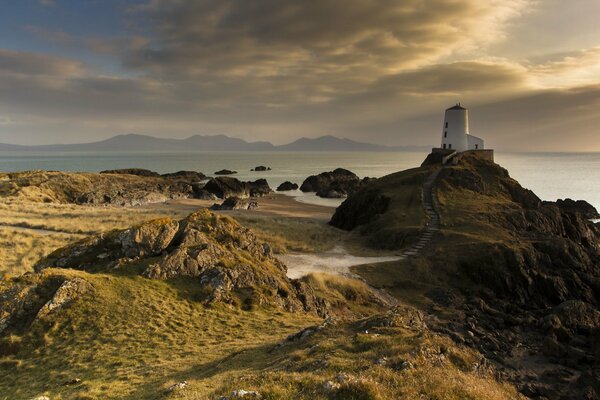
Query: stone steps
(431, 207)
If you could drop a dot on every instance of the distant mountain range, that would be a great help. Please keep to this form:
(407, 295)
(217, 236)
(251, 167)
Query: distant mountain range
(133, 142)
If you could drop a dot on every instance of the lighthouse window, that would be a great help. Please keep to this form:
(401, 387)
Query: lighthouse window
(450, 146)
(444, 146)
(445, 134)
(446, 124)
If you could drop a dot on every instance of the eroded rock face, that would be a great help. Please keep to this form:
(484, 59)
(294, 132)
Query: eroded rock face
(224, 257)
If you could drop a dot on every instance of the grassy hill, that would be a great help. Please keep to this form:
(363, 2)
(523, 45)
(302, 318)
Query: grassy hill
(502, 266)
(89, 330)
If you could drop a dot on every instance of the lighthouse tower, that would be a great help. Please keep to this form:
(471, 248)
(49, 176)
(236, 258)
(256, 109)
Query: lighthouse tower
(455, 132)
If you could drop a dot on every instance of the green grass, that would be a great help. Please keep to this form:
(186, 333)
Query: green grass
(286, 234)
(131, 337)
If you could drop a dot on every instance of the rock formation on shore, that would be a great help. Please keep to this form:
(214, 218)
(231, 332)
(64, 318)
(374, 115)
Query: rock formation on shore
(225, 172)
(287, 185)
(224, 187)
(236, 203)
(334, 184)
(128, 187)
(123, 189)
(527, 271)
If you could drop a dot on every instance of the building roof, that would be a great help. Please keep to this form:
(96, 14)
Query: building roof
(456, 107)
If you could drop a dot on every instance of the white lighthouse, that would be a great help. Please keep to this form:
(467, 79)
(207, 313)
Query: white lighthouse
(455, 132)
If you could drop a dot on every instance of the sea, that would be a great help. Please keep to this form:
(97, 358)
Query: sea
(550, 175)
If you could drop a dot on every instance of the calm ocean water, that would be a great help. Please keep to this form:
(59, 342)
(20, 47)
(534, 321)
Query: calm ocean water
(549, 175)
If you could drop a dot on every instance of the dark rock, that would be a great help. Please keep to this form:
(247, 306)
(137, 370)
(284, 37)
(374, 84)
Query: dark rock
(224, 187)
(225, 172)
(132, 171)
(259, 188)
(287, 185)
(236, 203)
(339, 180)
(203, 194)
(360, 210)
(190, 176)
(261, 168)
(582, 207)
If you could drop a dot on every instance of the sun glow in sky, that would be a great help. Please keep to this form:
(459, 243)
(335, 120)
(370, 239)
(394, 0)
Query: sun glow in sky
(380, 71)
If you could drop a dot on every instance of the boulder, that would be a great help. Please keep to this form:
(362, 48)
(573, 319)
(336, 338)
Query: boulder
(224, 187)
(287, 185)
(225, 172)
(335, 184)
(261, 168)
(236, 203)
(323, 181)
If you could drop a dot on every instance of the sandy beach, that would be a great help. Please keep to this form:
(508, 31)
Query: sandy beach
(275, 204)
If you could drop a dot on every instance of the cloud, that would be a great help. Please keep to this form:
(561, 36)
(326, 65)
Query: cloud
(328, 45)
(35, 64)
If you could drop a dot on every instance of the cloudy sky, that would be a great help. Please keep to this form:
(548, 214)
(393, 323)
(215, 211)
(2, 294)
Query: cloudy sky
(381, 71)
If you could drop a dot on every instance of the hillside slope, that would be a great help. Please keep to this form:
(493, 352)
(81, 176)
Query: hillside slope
(199, 308)
(510, 275)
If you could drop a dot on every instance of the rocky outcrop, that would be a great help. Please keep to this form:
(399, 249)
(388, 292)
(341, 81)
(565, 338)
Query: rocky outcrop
(261, 168)
(33, 298)
(224, 187)
(68, 291)
(189, 176)
(108, 188)
(322, 181)
(132, 171)
(225, 172)
(236, 203)
(287, 185)
(582, 207)
(338, 183)
(225, 258)
(520, 275)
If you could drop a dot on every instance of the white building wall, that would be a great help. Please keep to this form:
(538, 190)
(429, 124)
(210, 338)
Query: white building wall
(474, 143)
(455, 129)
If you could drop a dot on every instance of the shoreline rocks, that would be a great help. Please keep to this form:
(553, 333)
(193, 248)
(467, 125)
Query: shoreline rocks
(261, 168)
(225, 172)
(335, 184)
(235, 203)
(224, 187)
(287, 185)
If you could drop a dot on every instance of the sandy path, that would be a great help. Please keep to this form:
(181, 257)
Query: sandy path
(336, 262)
(272, 204)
